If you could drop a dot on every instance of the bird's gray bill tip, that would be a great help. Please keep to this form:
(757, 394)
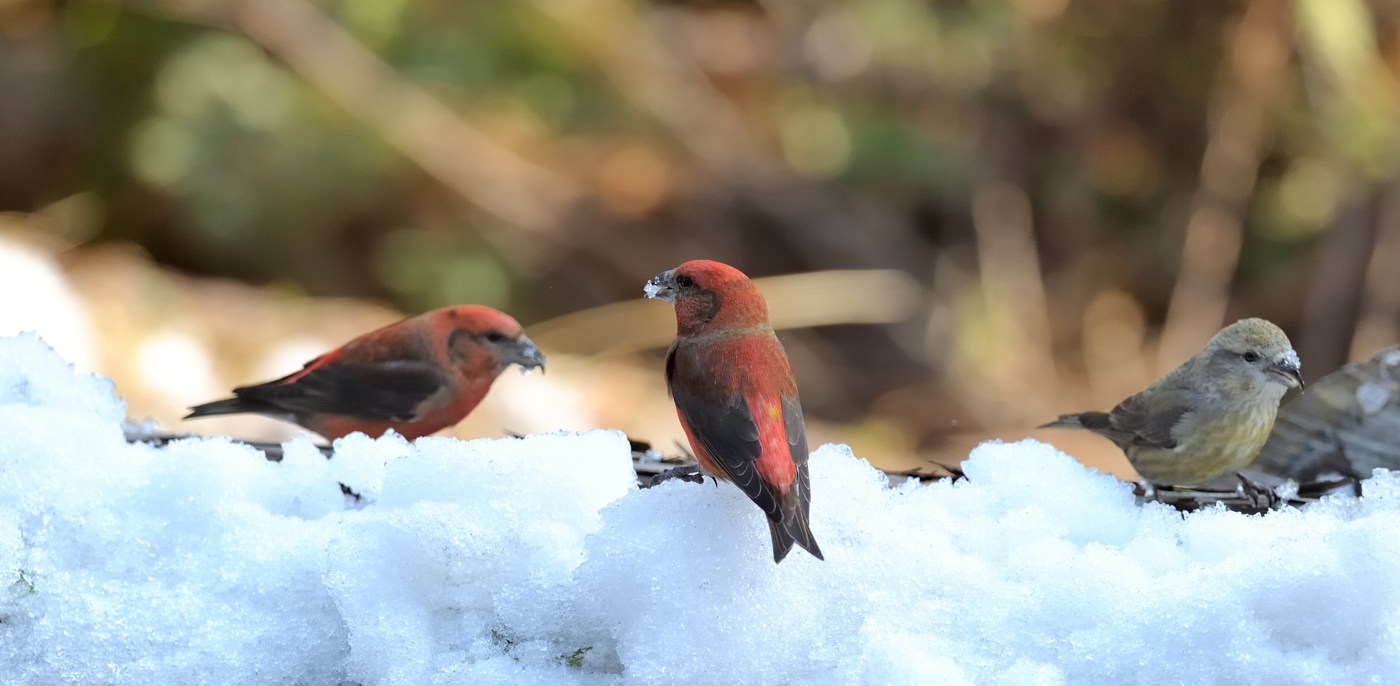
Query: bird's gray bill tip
(528, 356)
(1288, 369)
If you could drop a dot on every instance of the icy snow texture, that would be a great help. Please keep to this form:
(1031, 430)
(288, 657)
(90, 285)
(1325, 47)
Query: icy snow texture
(537, 561)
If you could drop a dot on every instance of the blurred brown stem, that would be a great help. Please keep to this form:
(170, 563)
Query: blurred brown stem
(1011, 278)
(1257, 62)
(1332, 304)
(1380, 303)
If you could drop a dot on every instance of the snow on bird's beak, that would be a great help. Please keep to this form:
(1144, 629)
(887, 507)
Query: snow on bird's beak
(526, 354)
(662, 286)
(1288, 370)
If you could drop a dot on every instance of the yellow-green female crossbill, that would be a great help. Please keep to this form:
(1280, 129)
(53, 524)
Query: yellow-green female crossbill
(1209, 416)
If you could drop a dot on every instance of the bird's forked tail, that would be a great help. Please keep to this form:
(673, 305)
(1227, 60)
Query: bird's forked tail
(1083, 420)
(227, 406)
(792, 530)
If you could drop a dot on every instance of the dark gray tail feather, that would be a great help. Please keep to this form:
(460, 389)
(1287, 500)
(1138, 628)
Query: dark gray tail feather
(1083, 420)
(796, 531)
(229, 406)
(782, 540)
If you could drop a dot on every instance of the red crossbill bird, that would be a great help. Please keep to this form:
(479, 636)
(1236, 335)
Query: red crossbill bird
(416, 376)
(1209, 416)
(736, 396)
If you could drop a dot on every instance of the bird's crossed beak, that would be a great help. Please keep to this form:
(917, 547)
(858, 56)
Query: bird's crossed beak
(1287, 368)
(525, 354)
(662, 286)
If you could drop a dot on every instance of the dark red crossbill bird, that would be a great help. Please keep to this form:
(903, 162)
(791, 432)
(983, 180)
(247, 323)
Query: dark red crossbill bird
(416, 376)
(735, 394)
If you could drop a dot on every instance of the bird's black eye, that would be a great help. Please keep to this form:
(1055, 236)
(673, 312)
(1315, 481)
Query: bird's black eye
(683, 281)
(1251, 356)
(495, 336)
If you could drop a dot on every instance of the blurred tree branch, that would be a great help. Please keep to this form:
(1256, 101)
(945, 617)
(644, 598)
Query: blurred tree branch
(651, 74)
(481, 170)
(1380, 302)
(1332, 305)
(794, 301)
(642, 56)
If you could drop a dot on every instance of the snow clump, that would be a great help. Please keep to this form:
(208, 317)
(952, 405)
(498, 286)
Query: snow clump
(538, 561)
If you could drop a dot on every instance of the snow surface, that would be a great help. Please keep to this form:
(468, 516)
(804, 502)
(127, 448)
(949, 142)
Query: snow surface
(537, 561)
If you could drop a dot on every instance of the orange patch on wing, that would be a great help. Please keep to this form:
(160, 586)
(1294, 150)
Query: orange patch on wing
(775, 465)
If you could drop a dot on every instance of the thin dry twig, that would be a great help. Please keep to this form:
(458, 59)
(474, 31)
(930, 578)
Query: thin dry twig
(653, 468)
(1192, 499)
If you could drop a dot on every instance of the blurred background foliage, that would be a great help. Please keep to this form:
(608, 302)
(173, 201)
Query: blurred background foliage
(1055, 200)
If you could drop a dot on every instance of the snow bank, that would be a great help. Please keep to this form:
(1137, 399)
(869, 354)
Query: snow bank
(537, 561)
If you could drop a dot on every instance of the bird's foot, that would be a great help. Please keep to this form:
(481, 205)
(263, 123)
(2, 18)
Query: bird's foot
(1149, 492)
(685, 472)
(1261, 496)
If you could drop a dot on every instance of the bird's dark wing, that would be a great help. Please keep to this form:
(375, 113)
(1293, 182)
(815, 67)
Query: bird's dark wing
(726, 430)
(388, 390)
(795, 525)
(1147, 425)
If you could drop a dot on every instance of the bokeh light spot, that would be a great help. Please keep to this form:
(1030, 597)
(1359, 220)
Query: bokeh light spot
(162, 152)
(815, 140)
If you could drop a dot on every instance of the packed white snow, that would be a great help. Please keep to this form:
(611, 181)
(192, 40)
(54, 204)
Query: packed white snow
(538, 561)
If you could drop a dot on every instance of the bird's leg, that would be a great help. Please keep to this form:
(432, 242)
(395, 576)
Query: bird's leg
(1149, 490)
(1258, 494)
(686, 472)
